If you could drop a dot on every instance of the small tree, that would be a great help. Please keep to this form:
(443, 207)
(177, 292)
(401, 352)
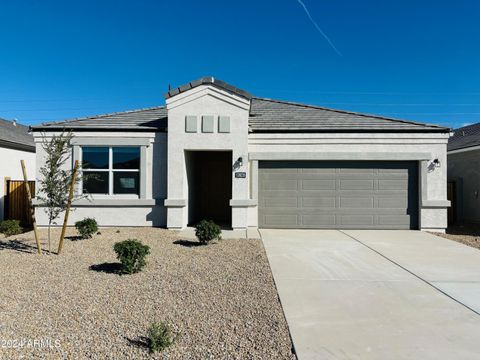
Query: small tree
(55, 177)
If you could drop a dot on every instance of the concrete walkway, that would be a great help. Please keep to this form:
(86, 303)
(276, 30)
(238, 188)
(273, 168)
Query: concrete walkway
(377, 294)
(250, 233)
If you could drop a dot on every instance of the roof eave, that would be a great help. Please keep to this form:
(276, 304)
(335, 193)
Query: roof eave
(17, 146)
(343, 130)
(93, 128)
(464, 148)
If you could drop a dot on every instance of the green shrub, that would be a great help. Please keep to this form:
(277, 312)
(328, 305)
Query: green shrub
(10, 227)
(131, 254)
(159, 337)
(206, 231)
(86, 227)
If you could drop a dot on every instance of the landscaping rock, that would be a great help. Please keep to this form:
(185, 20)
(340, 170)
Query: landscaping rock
(220, 299)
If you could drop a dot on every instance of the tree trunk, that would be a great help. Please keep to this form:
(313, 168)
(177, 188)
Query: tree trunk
(49, 226)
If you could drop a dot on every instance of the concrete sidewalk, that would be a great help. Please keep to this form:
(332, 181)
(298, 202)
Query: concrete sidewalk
(347, 299)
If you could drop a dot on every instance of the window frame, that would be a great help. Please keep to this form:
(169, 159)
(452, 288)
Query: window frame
(111, 171)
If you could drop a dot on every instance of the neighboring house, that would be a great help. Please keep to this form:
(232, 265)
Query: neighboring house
(464, 172)
(217, 152)
(15, 144)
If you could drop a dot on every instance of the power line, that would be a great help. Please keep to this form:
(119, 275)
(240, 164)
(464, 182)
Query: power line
(75, 99)
(363, 92)
(326, 103)
(404, 104)
(429, 113)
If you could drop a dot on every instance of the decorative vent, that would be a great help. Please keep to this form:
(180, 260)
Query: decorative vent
(191, 124)
(224, 124)
(207, 124)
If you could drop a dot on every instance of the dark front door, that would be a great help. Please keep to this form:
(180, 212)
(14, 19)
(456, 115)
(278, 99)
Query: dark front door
(210, 186)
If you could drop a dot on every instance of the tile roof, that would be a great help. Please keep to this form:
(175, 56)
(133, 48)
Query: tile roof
(15, 136)
(465, 137)
(208, 80)
(268, 115)
(148, 119)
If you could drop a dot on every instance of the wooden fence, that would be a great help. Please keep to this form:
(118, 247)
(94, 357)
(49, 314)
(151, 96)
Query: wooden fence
(16, 203)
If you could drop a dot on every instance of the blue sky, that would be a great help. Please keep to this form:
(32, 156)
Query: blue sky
(408, 59)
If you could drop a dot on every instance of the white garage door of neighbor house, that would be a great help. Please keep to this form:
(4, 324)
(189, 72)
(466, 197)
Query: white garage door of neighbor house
(338, 194)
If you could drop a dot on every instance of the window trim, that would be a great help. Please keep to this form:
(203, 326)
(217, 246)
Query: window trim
(111, 171)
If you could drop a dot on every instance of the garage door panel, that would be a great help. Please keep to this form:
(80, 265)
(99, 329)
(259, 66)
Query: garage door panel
(323, 171)
(318, 202)
(280, 184)
(278, 220)
(394, 220)
(356, 184)
(318, 220)
(357, 220)
(281, 202)
(280, 170)
(363, 195)
(393, 184)
(337, 211)
(393, 170)
(357, 202)
(318, 184)
(392, 202)
(353, 171)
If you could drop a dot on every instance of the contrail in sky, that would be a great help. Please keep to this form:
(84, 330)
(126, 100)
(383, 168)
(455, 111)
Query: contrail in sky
(318, 27)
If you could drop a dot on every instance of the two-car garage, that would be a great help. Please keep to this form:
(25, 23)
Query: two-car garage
(338, 194)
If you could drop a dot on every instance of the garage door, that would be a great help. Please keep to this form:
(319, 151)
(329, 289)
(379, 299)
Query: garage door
(338, 195)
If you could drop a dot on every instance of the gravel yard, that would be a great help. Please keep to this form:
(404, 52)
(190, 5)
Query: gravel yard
(220, 299)
(468, 234)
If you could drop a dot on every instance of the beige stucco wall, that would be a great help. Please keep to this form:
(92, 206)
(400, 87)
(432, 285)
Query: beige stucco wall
(10, 168)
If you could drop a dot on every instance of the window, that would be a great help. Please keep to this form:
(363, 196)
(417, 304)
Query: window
(111, 170)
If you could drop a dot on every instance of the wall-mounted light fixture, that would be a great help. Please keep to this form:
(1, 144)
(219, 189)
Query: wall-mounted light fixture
(238, 163)
(436, 163)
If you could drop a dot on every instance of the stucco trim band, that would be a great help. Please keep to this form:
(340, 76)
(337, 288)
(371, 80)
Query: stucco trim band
(175, 202)
(104, 141)
(390, 156)
(108, 203)
(243, 202)
(435, 203)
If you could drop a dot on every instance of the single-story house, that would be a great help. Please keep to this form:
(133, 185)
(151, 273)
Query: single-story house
(217, 152)
(464, 172)
(15, 144)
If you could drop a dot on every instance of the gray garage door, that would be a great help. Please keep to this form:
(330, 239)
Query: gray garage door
(338, 194)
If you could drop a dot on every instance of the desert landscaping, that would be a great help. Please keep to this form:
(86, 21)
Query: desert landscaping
(219, 299)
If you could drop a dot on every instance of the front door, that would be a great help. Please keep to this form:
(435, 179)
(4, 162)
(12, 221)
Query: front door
(210, 186)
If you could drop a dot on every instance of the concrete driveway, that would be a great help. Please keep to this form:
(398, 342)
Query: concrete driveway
(373, 294)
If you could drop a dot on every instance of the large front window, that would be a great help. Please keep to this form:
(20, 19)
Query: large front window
(111, 170)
